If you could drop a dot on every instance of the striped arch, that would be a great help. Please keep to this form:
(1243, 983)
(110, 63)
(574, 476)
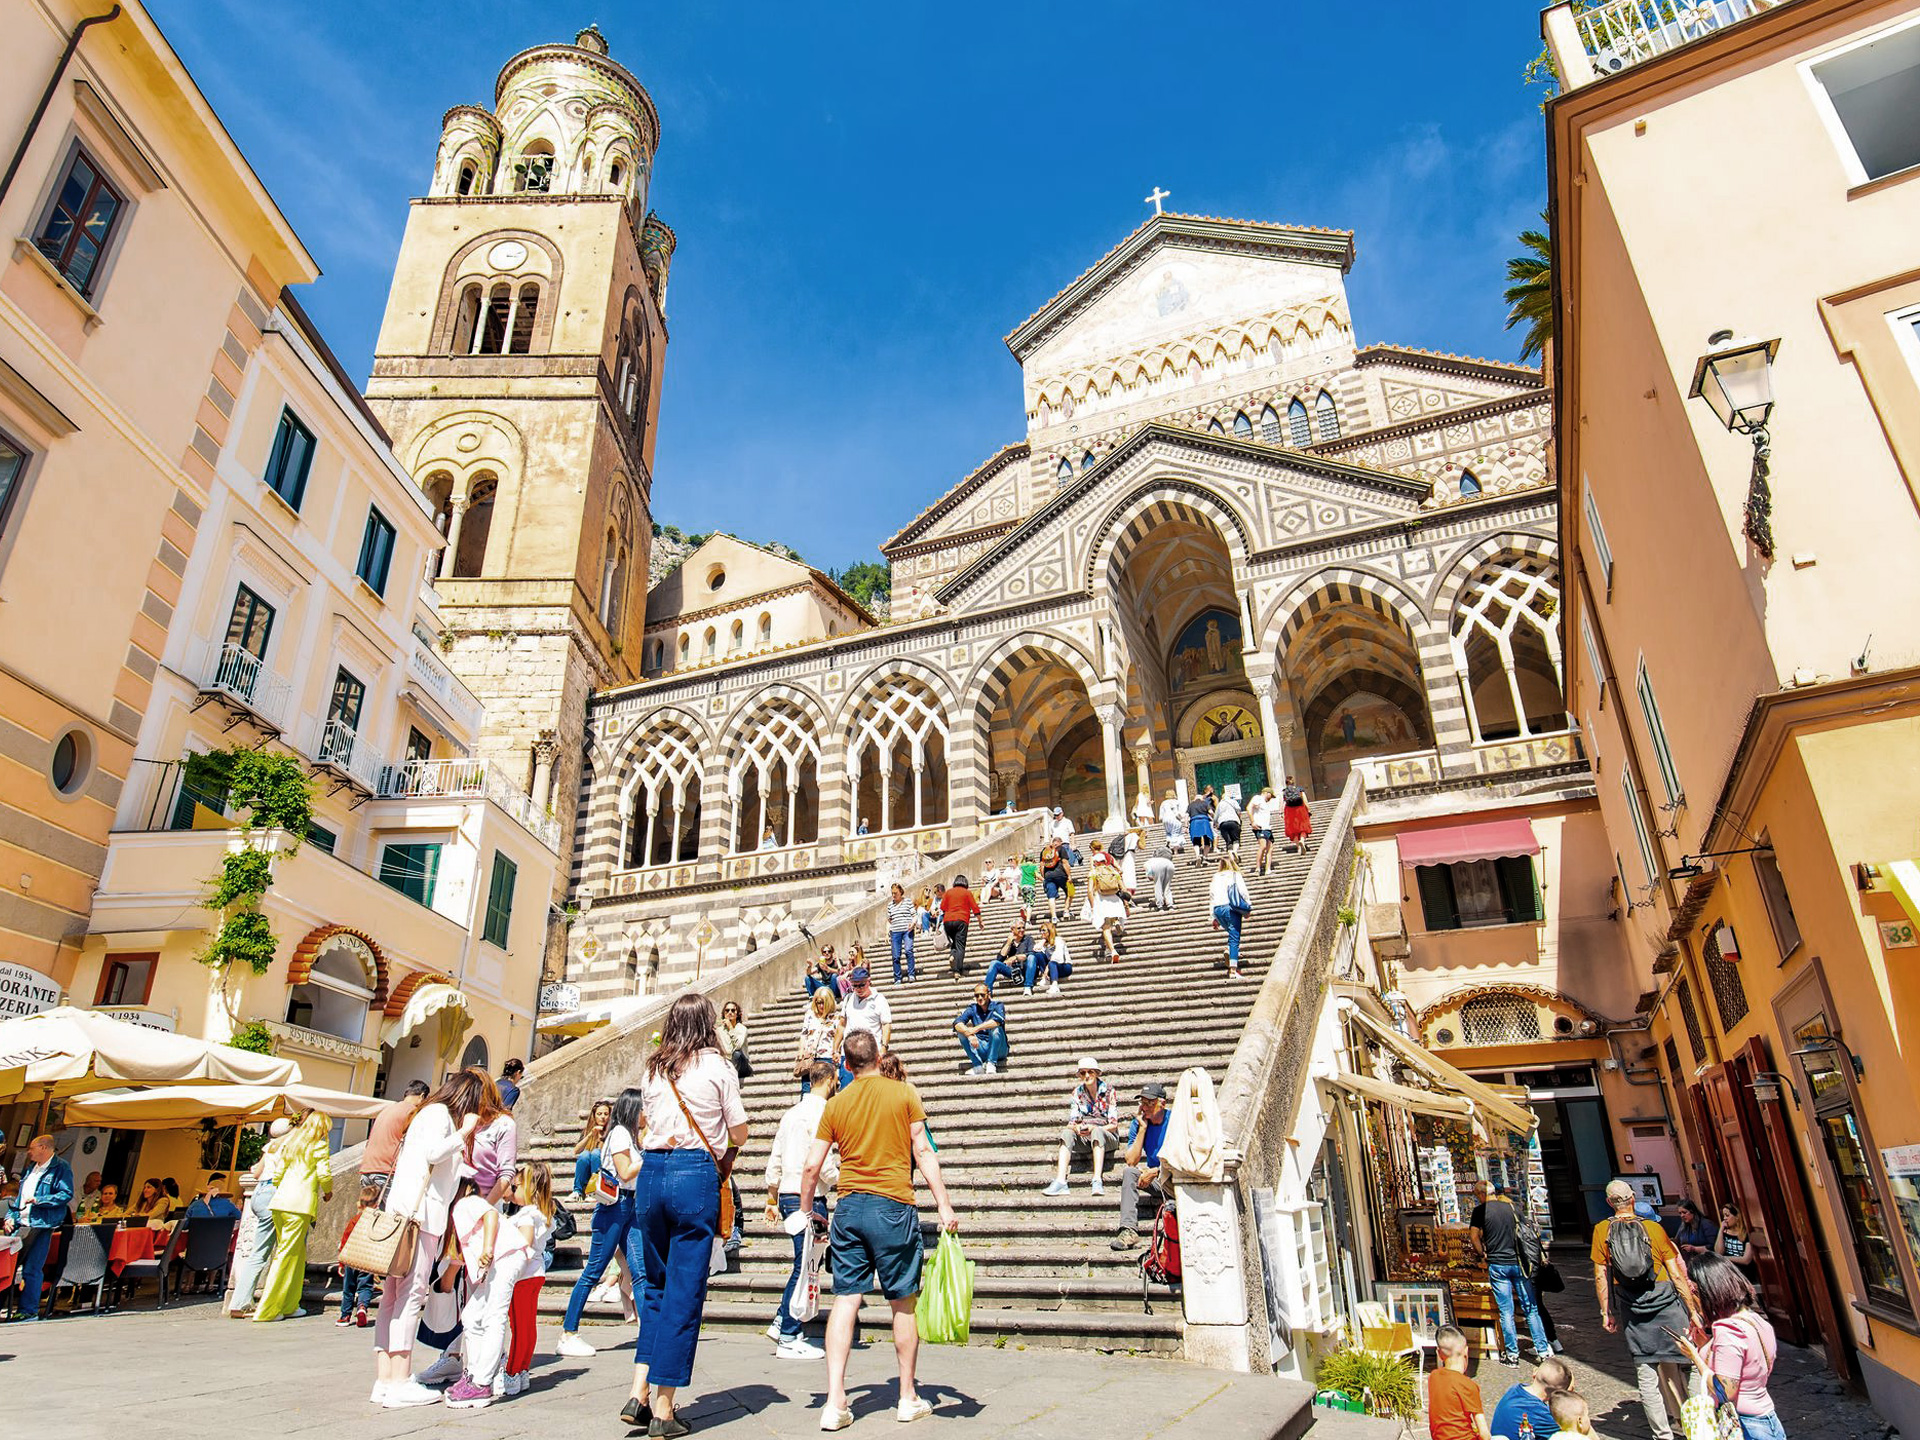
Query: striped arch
(1513, 542)
(1387, 598)
(622, 751)
(403, 992)
(897, 740)
(860, 690)
(308, 950)
(760, 699)
(1000, 665)
(1158, 500)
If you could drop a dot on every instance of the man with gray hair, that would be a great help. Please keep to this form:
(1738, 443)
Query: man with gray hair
(1643, 1289)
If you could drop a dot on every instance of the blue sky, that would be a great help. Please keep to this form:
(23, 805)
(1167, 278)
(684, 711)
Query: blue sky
(868, 197)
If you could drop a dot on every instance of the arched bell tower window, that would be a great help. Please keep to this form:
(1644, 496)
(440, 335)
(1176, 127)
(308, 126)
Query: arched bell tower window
(616, 174)
(468, 174)
(496, 318)
(535, 170)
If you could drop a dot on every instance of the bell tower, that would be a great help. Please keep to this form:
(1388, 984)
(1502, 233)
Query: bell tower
(518, 373)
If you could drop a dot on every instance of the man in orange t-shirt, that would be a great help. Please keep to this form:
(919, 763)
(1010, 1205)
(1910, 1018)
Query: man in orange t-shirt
(880, 1129)
(1454, 1408)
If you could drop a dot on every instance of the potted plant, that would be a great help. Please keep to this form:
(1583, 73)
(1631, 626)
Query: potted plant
(1385, 1384)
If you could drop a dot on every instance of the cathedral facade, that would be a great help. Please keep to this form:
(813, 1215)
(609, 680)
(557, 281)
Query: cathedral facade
(1234, 545)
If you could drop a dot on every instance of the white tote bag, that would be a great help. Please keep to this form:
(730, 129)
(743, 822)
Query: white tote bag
(1194, 1146)
(805, 1303)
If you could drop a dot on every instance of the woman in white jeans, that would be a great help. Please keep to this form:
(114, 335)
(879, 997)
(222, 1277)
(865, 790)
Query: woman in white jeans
(425, 1178)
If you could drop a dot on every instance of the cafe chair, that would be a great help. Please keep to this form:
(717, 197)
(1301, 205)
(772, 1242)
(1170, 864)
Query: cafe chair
(156, 1269)
(209, 1239)
(86, 1265)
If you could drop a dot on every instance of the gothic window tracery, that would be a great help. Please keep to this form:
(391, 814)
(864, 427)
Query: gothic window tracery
(1242, 426)
(1270, 426)
(1506, 645)
(1326, 417)
(1299, 428)
(663, 823)
(774, 782)
(897, 756)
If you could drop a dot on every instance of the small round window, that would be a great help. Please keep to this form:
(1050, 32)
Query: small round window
(716, 577)
(71, 763)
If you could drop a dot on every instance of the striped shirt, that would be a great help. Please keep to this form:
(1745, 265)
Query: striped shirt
(900, 915)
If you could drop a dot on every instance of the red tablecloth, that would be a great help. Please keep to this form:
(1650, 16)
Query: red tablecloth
(132, 1244)
(8, 1262)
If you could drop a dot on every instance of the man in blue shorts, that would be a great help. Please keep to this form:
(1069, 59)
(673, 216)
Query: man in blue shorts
(880, 1129)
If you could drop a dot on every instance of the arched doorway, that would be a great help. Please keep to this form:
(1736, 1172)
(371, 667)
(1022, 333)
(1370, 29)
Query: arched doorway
(474, 1057)
(1038, 720)
(1355, 673)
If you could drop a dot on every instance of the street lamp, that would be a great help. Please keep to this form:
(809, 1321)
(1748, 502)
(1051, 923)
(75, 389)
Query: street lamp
(1735, 378)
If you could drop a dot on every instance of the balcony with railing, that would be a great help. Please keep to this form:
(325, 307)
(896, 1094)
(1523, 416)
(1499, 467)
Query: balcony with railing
(426, 670)
(1594, 41)
(344, 751)
(467, 779)
(239, 679)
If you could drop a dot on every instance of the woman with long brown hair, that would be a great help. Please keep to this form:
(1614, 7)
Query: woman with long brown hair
(495, 1149)
(425, 1176)
(696, 1125)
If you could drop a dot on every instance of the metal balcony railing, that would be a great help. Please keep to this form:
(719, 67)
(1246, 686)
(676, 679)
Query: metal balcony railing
(238, 674)
(1622, 34)
(468, 779)
(437, 680)
(341, 748)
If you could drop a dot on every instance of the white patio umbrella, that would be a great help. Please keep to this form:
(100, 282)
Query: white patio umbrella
(67, 1051)
(171, 1107)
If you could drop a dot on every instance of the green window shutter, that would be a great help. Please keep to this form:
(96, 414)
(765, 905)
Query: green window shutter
(1436, 897)
(1520, 889)
(500, 901)
(412, 870)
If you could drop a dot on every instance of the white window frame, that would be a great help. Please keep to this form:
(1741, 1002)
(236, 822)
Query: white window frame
(1603, 552)
(1640, 831)
(1829, 114)
(1657, 733)
(1906, 334)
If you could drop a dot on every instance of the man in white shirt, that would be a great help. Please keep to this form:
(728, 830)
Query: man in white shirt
(1173, 820)
(786, 1164)
(866, 1009)
(1062, 832)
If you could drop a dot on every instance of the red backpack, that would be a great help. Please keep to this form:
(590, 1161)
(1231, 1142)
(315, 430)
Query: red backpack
(1161, 1264)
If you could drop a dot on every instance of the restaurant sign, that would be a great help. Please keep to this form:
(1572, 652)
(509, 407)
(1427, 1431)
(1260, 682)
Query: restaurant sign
(559, 997)
(136, 1015)
(25, 992)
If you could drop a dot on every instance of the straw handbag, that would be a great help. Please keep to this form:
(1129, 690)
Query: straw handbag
(379, 1242)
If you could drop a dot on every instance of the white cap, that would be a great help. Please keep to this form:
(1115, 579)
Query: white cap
(279, 1128)
(1087, 1062)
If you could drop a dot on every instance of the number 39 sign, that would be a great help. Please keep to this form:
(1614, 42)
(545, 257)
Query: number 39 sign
(1898, 934)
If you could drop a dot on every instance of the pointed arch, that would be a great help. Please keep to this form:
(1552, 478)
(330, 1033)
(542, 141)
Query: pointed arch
(1469, 483)
(1242, 426)
(1299, 427)
(1270, 426)
(1326, 417)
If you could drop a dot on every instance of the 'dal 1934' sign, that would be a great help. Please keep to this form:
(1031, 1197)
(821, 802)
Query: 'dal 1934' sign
(25, 992)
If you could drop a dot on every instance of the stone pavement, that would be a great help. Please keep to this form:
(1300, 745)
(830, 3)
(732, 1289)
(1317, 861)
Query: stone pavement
(1812, 1401)
(187, 1374)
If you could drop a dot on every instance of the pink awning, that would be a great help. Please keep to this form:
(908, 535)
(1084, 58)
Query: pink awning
(1455, 844)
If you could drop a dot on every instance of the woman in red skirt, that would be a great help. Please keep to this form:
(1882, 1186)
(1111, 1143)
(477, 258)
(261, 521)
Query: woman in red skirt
(1299, 819)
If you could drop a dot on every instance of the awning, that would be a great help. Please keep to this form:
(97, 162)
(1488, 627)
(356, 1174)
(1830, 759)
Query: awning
(1903, 878)
(67, 1051)
(1456, 844)
(1489, 1105)
(177, 1106)
(1420, 1102)
(425, 1003)
(584, 1019)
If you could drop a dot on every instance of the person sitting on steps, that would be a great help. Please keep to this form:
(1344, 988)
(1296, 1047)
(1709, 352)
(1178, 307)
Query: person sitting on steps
(1091, 1128)
(1140, 1162)
(1051, 950)
(982, 1028)
(1016, 959)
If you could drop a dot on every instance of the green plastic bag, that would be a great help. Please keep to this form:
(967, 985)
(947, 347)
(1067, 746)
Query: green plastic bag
(944, 1313)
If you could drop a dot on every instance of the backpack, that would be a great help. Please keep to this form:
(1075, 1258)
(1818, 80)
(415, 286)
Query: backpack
(1294, 795)
(1161, 1264)
(1050, 856)
(1106, 880)
(1630, 1252)
(1533, 1251)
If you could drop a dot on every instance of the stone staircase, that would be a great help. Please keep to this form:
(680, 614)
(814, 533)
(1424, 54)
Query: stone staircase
(1047, 1274)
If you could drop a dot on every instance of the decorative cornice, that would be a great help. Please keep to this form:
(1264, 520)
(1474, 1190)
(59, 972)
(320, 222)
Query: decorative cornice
(1309, 244)
(1464, 416)
(1447, 363)
(950, 541)
(993, 465)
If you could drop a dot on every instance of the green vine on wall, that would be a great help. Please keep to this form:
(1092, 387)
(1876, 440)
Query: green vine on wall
(265, 791)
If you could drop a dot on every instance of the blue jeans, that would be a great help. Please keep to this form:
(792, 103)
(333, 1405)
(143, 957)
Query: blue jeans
(1511, 1286)
(1028, 964)
(987, 1048)
(1763, 1427)
(612, 1229)
(585, 1166)
(1230, 919)
(902, 943)
(814, 982)
(356, 1291)
(33, 1265)
(790, 1327)
(679, 1205)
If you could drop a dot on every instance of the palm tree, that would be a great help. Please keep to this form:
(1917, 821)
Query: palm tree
(1529, 293)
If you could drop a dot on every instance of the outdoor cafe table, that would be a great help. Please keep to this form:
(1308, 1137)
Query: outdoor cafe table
(132, 1243)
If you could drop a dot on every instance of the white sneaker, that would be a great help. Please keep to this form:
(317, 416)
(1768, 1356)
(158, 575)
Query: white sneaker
(831, 1419)
(799, 1348)
(1057, 1187)
(1099, 1186)
(500, 1390)
(605, 1293)
(575, 1347)
(379, 1392)
(912, 1410)
(976, 1070)
(1027, 991)
(408, 1393)
(773, 1333)
(1054, 988)
(444, 1371)
(989, 1070)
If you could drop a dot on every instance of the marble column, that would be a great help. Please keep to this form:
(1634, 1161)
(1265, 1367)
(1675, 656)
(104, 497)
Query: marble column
(544, 750)
(1270, 734)
(457, 507)
(1112, 717)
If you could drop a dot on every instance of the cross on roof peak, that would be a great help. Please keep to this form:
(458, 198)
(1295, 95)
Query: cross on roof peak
(1156, 197)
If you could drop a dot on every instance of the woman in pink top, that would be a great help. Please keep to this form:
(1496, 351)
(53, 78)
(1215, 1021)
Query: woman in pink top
(496, 1144)
(1741, 1347)
(695, 1125)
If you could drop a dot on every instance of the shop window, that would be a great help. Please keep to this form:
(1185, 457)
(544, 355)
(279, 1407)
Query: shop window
(411, 869)
(1479, 892)
(127, 979)
(1773, 894)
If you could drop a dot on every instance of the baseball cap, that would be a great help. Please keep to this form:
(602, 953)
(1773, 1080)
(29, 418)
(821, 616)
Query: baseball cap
(860, 975)
(1153, 1090)
(1058, 811)
(1087, 1062)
